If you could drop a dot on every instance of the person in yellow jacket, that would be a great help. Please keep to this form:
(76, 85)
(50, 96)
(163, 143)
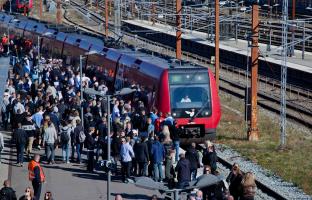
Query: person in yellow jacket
(36, 175)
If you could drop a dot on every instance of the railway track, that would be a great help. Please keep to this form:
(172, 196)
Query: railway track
(224, 168)
(201, 17)
(232, 79)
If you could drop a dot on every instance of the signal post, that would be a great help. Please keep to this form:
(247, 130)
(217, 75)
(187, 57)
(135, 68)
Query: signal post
(178, 31)
(253, 132)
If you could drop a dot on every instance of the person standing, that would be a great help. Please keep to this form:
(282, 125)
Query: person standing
(20, 136)
(126, 154)
(210, 156)
(142, 156)
(248, 186)
(1, 144)
(158, 155)
(49, 138)
(36, 175)
(7, 191)
(234, 179)
(65, 141)
(192, 155)
(90, 145)
(184, 172)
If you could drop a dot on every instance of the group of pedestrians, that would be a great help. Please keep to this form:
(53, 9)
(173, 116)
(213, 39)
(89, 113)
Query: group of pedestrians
(44, 109)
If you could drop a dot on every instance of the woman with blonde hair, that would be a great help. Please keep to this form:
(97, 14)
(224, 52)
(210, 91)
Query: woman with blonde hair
(248, 186)
(210, 156)
(234, 180)
(29, 194)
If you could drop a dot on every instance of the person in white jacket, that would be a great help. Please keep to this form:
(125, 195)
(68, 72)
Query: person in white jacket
(1, 144)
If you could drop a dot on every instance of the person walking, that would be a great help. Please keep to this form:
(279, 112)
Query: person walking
(20, 137)
(169, 152)
(1, 144)
(7, 191)
(29, 126)
(78, 138)
(184, 172)
(158, 155)
(192, 155)
(49, 138)
(36, 175)
(126, 154)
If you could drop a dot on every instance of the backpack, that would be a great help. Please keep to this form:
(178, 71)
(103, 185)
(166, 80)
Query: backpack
(82, 136)
(64, 136)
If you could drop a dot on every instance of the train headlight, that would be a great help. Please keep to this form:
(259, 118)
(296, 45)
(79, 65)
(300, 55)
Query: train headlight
(174, 114)
(206, 113)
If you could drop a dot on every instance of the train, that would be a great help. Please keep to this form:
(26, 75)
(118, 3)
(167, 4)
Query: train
(169, 83)
(18, 6)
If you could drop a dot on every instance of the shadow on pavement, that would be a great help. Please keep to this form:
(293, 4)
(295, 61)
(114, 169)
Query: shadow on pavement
(132, 196)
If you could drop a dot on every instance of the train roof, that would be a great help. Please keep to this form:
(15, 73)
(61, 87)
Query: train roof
(143, 61)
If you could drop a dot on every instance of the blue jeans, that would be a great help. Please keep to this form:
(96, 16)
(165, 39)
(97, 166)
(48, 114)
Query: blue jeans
(50, 152)
(176, 144)
(142, 168)
(193, 174)
(78, 152)
(20, 152)
(65, 152)
(158, 172)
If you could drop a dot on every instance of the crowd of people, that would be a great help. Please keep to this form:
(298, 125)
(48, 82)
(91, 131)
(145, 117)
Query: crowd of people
(42, 105)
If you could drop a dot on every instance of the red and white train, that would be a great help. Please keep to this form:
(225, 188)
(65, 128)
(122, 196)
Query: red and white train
(187, 91)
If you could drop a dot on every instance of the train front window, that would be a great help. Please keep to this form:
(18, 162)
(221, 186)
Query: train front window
(190, 94)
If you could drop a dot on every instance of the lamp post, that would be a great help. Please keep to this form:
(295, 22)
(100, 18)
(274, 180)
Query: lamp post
(122, 92)
(10, 6)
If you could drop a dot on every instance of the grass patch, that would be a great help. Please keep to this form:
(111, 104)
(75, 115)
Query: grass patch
(294, 164)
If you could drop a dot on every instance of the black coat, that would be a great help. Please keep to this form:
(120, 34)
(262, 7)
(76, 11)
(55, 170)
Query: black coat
(141, 152)
(183, 170)
(210, 158)
(8, 193)
(20, 136)
(90, 142)
(192, 155)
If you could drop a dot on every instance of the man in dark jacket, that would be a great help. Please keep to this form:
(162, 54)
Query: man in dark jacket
(142, 156)
(158, 154)
(192, 155)
(210, 157)
(75, 142)
(184, 172)
(7, 192)
(20, 136)
(90, 145)
(29, 126)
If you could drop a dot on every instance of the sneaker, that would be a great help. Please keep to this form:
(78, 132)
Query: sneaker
(67, 162)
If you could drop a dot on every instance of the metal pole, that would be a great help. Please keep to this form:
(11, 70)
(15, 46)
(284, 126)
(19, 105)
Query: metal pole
(58, 12)
(10, 6)
(40, 9)
(178, 31)
(117, 16)
(217, 35)
(106, 18)
(284, 75)
(270, 36)
(253, 133)
(293, 28)
(108, 147)
(236, 22)
(176, 194)
(81, 92)
(303, 40)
